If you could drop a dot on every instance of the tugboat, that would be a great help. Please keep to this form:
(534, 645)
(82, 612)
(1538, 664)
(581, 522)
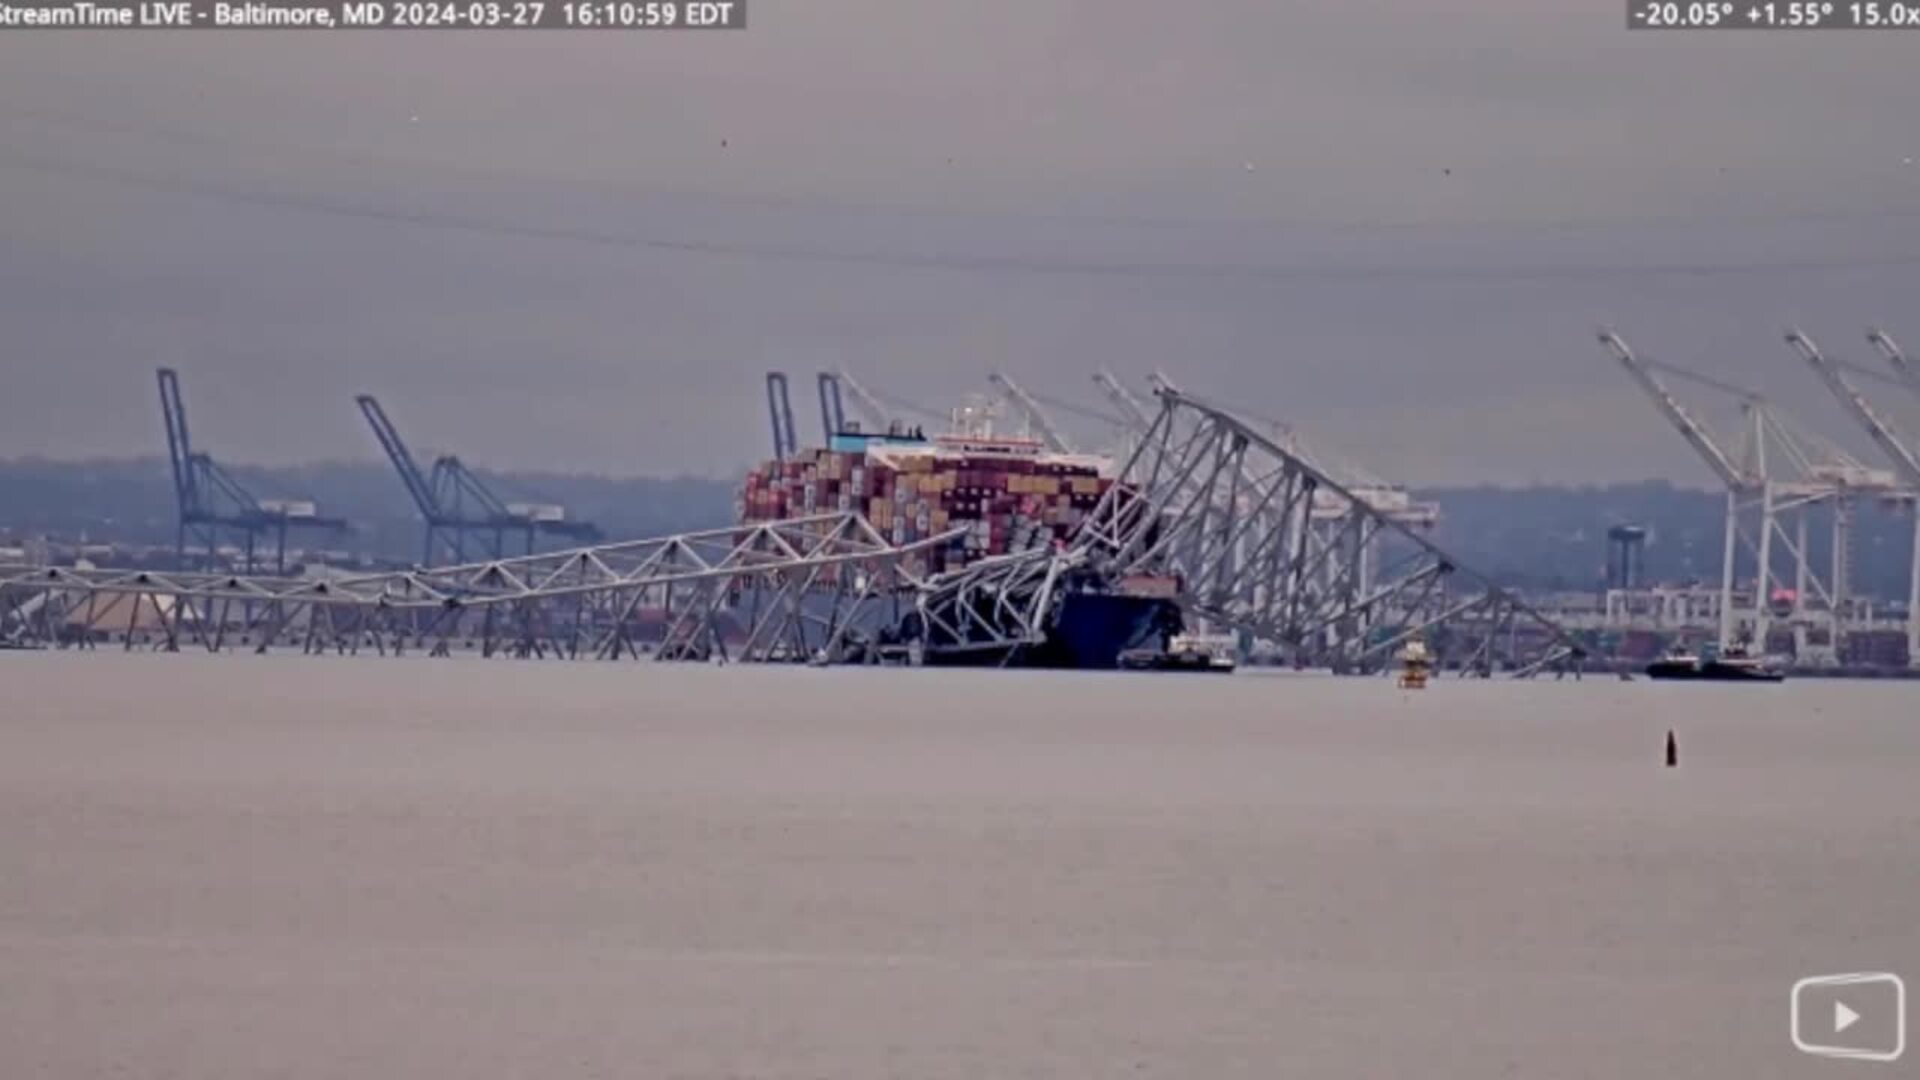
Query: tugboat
(1416, 665)
(1735, 665)
(1185, 652)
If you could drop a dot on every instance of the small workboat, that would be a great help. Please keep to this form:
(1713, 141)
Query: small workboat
(1416, 665)
(1735, 665)
(1186, 652)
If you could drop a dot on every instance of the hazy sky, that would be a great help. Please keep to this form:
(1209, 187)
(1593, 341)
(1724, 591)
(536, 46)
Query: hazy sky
(1395, 224)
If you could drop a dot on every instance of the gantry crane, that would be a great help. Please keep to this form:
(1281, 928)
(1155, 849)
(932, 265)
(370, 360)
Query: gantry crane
(1905, 460)
(208, 498)
(456, 504)
(1745, 482)
(1828, 477)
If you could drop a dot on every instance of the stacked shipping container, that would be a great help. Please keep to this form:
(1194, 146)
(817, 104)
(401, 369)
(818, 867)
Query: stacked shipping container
(1004, 502)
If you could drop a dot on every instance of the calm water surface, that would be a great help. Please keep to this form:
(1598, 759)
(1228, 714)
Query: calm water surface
(295, 867)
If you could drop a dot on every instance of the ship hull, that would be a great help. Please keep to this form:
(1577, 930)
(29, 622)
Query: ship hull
(1091, 633)
(1709, 671)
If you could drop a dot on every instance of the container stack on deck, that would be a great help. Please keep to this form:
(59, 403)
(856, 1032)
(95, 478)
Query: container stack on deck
(1010, 500)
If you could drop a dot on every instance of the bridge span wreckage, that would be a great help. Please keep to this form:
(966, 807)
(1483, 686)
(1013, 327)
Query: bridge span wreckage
(1256, 541)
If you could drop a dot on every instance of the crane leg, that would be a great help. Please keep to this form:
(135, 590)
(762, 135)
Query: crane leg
(1727, 553)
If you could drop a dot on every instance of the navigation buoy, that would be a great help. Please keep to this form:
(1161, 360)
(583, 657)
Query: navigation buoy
(1673, 751)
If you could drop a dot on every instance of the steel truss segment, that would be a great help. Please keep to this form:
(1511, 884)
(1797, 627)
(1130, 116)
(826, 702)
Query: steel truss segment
(1261, 540)
(997, 606)
(817, 580)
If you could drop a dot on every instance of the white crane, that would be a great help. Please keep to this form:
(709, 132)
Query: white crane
(1904, 459)
(1037, 419)
(1755, 492)
(1896, 359)
(1135, 420)
(1696, 433)
(1122, 399)
(871, 408)
(1831, 372)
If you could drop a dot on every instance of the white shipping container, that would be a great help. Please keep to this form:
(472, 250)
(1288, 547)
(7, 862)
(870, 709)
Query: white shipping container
(293, 508)
(537, 511)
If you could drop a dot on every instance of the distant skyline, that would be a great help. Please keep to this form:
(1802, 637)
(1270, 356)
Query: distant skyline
(1396, 227)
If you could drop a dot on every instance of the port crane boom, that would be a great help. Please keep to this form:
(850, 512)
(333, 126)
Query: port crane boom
(871, 408)
(1123, 399)
(173, 412)
(209, 499)
(1850, 398)
(456, 503)
(402, 458)
(1696, 434)
(1896, 359)
(1036, 415)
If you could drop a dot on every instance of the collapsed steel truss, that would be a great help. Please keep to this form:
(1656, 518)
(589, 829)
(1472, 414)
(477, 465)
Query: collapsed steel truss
(805, 588)
(995, 607)
(1264, 543)
(1258, 540)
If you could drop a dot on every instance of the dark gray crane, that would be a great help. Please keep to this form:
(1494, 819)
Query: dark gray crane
(458, 506)
(211, 500)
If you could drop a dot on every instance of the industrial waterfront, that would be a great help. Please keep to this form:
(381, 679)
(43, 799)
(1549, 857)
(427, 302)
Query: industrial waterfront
(1184, 529)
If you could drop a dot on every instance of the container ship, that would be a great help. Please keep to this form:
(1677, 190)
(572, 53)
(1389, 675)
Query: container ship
(1004, 493)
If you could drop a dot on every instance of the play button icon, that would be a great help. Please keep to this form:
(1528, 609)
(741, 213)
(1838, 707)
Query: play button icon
(1868, 1017)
